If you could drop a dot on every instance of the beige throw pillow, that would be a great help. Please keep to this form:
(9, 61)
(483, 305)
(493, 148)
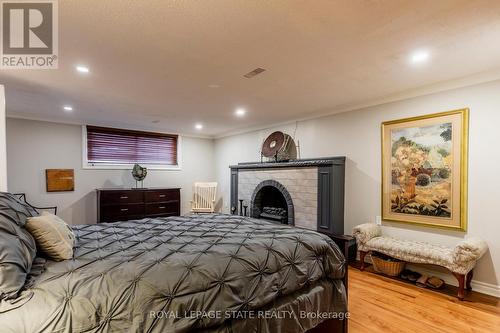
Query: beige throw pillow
(52, 236)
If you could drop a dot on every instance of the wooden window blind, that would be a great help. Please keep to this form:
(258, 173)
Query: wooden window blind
(119, 146)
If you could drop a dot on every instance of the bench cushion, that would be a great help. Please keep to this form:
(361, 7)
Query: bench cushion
(460, 259)
(416, 252)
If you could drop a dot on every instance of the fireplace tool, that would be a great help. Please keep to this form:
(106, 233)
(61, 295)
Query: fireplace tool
(241, 207)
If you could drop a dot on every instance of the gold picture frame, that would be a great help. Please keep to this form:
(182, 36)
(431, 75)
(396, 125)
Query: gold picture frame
(424, 170)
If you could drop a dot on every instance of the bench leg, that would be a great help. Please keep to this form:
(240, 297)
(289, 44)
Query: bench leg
(461, 285)
(468, 280)
(362, 255)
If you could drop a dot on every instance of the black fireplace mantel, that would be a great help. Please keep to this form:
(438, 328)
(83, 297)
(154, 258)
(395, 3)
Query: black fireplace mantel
(302, 163)
(331, 183)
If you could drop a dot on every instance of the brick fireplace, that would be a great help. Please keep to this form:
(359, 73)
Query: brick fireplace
(305, 193)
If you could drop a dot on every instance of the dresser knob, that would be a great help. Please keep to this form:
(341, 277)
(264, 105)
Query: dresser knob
(124, 209)
(124, 197)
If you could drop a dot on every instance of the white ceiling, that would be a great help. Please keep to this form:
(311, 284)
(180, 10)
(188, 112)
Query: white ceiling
(155, 59)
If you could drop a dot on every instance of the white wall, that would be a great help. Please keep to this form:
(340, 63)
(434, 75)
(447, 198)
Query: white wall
(3, 157)
(34, 146)
(356, 135)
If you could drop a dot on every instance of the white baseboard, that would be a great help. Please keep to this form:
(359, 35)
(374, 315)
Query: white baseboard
(448, 278)
(486, 288)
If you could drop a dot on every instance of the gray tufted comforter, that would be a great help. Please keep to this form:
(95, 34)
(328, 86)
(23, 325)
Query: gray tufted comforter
(211, 273)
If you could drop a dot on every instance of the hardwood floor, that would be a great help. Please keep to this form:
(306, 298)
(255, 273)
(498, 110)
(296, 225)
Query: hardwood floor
(381, 304)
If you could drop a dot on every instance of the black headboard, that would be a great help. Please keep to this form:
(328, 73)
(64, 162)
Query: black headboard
(22, 196)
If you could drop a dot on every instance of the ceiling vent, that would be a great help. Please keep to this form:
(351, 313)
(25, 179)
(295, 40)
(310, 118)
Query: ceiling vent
(253, 73)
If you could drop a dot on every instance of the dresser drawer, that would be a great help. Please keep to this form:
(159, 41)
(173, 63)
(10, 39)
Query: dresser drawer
(124, 212)
(161, 195)
(171, 207)
(123, 204)
(121, 197)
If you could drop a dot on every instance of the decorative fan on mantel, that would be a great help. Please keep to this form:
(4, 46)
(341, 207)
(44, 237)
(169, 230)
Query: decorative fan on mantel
(279, 147)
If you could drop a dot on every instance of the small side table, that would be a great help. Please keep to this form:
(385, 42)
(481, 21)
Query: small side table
(347, 244)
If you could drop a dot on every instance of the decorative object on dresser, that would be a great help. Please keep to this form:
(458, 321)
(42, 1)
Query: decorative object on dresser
(60, 180)
(139, 173)
(460, 260)
(307, 193)
(424, 170)
(204, 197)
(116, 204)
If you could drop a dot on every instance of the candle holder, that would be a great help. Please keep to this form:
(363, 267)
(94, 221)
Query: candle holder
(241, 206)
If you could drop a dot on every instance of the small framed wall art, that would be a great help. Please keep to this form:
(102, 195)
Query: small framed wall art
(424, 170)
(60, 180)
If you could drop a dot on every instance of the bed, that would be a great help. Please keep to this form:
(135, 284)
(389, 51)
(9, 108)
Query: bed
(203, 273)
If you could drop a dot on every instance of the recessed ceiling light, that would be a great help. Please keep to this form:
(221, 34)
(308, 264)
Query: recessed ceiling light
(82, 69)
(68, 108)
(419, 57)
(198, 126)
(240, 112)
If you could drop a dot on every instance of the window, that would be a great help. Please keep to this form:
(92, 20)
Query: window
(112, 147)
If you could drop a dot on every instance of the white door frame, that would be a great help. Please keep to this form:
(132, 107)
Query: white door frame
(3, 144)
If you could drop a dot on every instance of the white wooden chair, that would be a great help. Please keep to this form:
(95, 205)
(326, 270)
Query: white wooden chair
(204, 198)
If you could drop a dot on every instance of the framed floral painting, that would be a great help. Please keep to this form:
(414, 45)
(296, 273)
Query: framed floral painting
(424, 170)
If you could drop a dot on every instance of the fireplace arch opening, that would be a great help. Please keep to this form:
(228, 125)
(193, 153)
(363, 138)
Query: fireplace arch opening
(271, 201)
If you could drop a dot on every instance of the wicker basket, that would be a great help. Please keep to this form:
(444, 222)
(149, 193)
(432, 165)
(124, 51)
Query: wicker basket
(391, 267)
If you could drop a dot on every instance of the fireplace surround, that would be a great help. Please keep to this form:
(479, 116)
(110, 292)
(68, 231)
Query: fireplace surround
(306, 193)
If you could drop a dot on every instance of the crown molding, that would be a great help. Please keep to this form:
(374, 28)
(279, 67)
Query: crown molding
(466, 81)
(462, 82)
(15, 115)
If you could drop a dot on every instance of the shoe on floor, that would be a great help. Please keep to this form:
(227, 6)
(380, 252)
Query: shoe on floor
(434, 282)
(414, 276)
(405, 274)
(422, 281)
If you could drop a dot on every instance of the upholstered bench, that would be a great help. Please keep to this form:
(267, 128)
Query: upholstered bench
(460, 260)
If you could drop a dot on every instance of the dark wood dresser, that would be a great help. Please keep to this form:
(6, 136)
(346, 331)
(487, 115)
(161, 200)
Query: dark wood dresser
(116, 204)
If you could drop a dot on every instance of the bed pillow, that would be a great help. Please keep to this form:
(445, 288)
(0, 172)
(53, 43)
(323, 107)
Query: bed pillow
(17, 246)
(53, 236)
